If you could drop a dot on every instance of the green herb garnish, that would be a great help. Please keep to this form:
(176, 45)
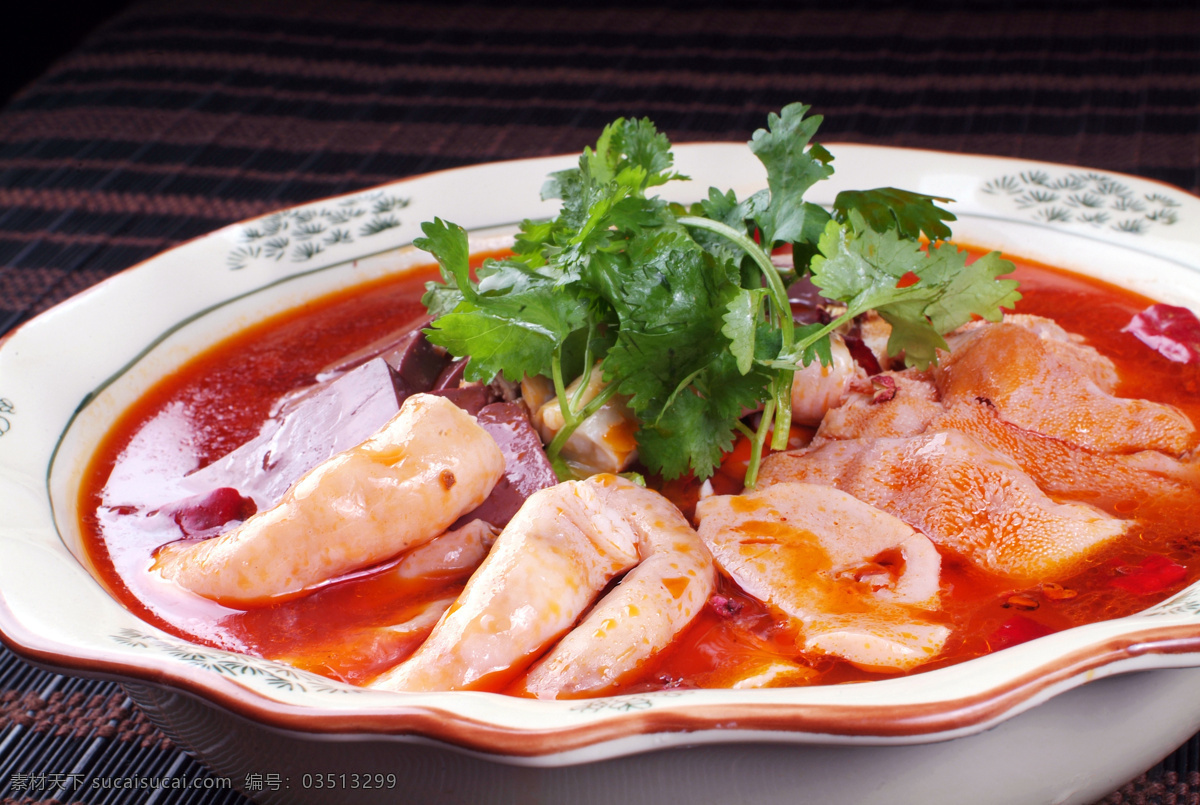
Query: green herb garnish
(681, 309)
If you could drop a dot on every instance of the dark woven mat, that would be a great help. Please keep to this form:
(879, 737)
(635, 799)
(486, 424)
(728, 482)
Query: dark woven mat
(176, 118)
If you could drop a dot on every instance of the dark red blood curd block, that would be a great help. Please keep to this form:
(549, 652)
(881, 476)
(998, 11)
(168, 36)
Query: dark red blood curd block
(1171, 331)
(380, 346)
(471, 397)
(526, 468)
(452, 376)
(1017, 629)
(1154, 574)
(309, 429)
(416, 365)
(204, 514)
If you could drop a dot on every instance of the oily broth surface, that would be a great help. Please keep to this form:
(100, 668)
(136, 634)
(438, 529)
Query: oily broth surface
(220, 399)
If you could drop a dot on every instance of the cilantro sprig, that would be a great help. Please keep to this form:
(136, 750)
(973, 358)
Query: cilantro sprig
(681, 310)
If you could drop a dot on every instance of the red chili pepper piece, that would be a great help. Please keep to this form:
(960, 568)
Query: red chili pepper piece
(1017, 629)
(736, 461)
(1154, 574)
(208, 511)
(1171, 331)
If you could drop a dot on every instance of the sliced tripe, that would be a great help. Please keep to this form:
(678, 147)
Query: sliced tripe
(403, 486)
(1049, 385)
(964, 495)
(856, 580)
(881, 642)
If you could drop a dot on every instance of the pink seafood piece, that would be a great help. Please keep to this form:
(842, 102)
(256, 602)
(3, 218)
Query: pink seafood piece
(1046, 384)
(965, 496)
(856, 580)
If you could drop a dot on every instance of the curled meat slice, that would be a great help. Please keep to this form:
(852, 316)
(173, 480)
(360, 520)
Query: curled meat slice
(399, 488)
(879, 641)
(604, 442)
(854, 578)
(964, 495)
(1036, 388)
(817, 388)
(563, 547)
(453, 555)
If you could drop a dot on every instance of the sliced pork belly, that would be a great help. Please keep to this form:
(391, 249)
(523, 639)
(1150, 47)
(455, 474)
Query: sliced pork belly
(1124, 484)
(1056, 387)
(964, 495)
(855, 579)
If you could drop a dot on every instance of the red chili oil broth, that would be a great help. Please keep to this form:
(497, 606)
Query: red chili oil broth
(339, 630)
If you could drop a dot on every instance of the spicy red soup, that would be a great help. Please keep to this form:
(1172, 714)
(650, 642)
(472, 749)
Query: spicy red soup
(342, 629)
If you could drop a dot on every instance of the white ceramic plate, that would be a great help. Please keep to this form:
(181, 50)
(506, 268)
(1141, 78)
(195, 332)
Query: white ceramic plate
(65, 375)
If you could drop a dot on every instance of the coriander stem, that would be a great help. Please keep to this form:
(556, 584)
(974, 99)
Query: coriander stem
(808, 341)
(569, 426)
(560, 390)
(756, 444)
(587, 372)
(782, 391)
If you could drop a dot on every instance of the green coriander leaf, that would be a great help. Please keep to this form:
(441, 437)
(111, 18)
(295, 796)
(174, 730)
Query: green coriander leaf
(912, 333)
(725, 208)
(888, 208)
(441, 298)
(670, 303)
(512, 320)
(921, 294)
(495, 344)
(971, 290)
(533, 239)
(792, 168)
(698, 428)
(862, 266)
(819, 349)
(688, 438)
(742, 314)
(447, 242)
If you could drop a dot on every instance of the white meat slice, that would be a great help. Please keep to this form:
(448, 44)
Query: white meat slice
(604, 442)
(400, 488)
(856, 580)
(817, 388)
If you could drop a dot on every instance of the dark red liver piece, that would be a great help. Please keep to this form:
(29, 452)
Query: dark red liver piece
(471, 398)
(526, 468)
